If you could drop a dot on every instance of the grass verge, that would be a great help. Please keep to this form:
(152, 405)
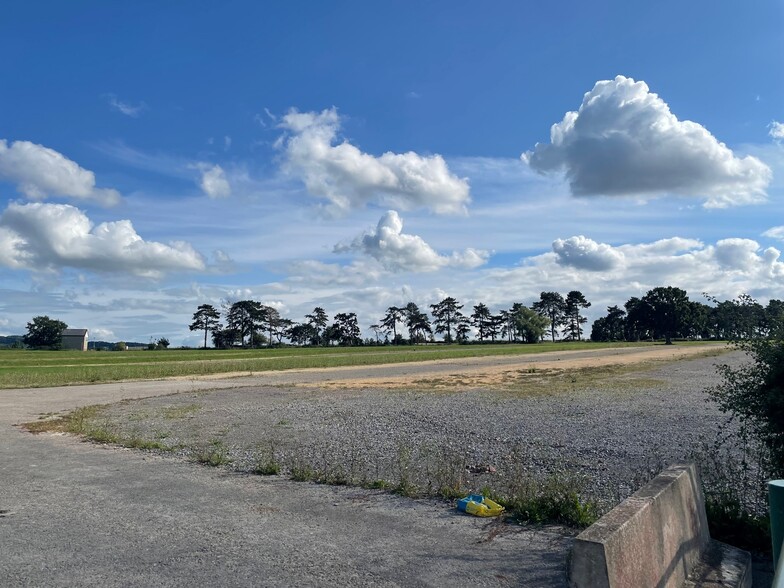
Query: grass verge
(31, 369)
(87, 423)
(552, 499)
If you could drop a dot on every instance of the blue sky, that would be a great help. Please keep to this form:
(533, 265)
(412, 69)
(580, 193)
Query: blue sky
(354, 155)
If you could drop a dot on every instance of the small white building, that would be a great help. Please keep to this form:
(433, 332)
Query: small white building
(75, 339)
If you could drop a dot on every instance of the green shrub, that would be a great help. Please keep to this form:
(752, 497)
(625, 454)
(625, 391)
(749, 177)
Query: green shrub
(749, 449)
(554, 499)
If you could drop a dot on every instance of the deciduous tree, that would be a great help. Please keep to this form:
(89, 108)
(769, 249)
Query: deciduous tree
(44, 333)
(637, 319)
(774, 317)
(668, 311)
(529, 325)
(610, 327)
(346, 328)
(303, 334)
(225, 338)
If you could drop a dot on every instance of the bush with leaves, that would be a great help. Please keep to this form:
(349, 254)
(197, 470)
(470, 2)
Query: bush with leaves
(753, 394)
(750, 449)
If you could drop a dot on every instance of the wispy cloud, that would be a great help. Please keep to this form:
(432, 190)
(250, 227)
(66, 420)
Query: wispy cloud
(267, 117)
(126, 108)
(165, 164)
(775, 233)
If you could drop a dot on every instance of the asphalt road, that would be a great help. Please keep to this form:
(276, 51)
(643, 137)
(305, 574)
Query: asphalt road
(77, 514)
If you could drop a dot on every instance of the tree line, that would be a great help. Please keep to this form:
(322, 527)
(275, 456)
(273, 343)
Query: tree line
(663, 313)
(667, 313)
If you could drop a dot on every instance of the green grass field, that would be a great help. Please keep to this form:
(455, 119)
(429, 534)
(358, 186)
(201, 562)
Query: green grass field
(33, 369)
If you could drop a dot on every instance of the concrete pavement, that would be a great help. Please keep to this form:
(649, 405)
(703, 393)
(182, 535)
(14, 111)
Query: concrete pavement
(78, 514)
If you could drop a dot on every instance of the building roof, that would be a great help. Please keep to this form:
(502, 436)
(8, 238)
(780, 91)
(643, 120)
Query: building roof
(74, 332)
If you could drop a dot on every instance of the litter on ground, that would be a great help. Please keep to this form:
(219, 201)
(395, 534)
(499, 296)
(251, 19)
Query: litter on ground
(479, 506)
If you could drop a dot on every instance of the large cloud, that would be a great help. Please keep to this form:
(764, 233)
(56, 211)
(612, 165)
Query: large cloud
(350, 179)
(584, 253)
(399, 252)
(42, 236)
(625, 141)
(40, 172)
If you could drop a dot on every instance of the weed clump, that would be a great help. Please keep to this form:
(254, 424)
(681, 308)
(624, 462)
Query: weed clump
(266, 463)
(554, 499)
(214, 454)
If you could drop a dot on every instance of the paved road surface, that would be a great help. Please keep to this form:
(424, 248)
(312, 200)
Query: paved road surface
(77, 514)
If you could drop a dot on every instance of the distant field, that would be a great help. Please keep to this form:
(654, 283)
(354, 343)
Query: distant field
(33, 369)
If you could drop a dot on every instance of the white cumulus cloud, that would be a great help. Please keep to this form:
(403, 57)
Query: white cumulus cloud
(40, 172)
(624, 140)
(350, 178)
(399, 252)
(776, 130)
(213, 181)
(584, 253)
(41, 236)
(737, 254)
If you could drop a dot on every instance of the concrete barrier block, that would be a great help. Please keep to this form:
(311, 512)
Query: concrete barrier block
(655, 538)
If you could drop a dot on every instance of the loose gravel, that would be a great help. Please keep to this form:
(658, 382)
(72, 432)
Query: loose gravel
(611, 432)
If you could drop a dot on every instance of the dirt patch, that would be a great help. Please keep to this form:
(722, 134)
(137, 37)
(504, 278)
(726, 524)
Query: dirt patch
(492, 374)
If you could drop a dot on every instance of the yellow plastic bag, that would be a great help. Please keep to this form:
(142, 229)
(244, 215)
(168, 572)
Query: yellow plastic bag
(479, 506)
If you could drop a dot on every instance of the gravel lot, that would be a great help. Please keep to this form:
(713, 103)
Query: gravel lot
(611, 427)
(80, 514)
